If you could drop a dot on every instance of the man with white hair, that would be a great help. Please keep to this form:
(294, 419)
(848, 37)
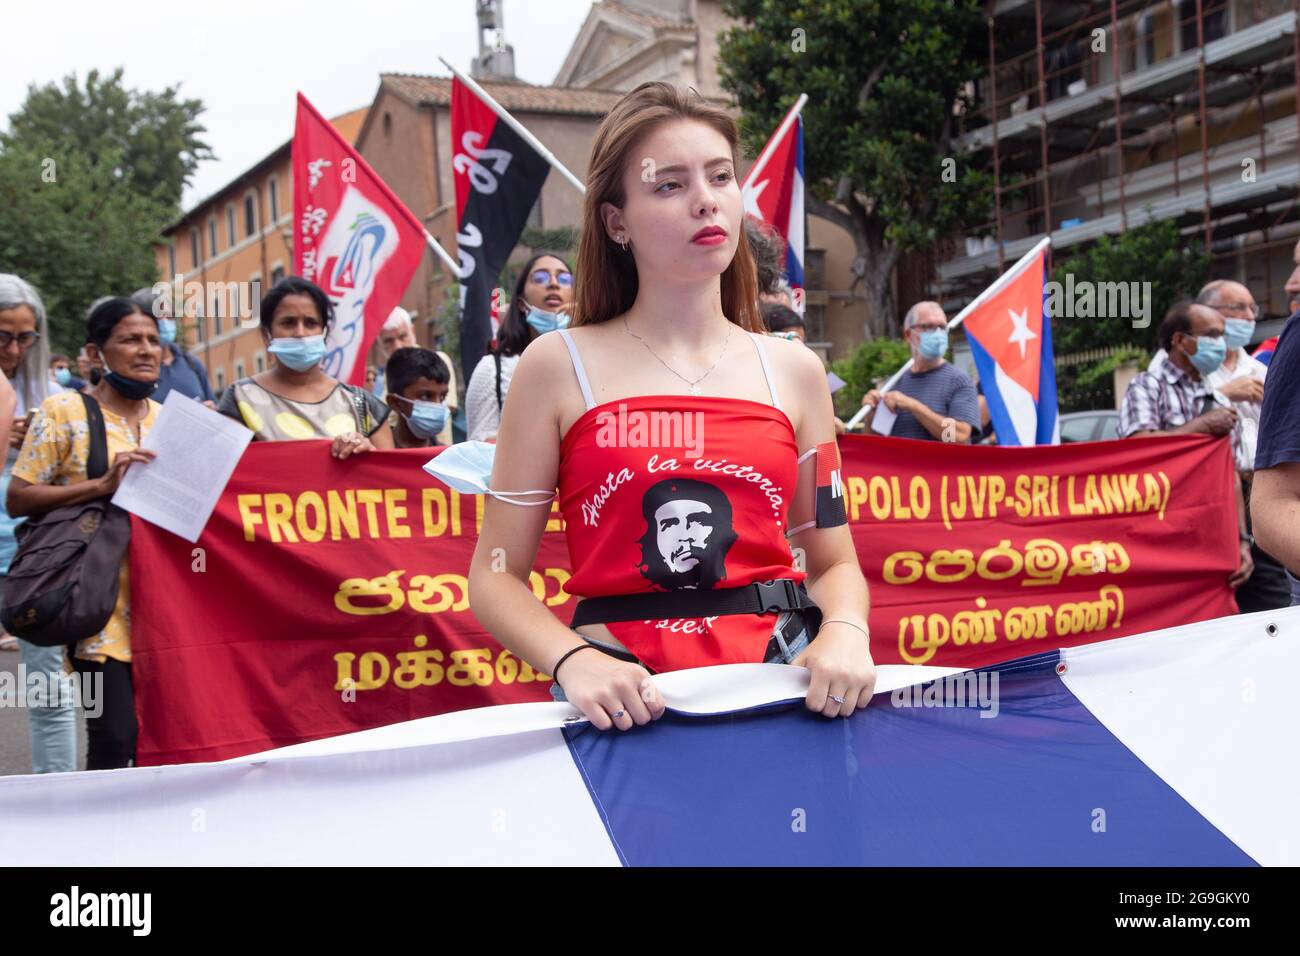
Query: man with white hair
(399, 333)
(934, 400)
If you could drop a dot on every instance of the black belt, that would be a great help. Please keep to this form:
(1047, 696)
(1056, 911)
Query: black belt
(762, 597)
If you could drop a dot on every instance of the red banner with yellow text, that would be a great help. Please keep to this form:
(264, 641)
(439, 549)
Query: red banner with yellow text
(326, 597)
(323, 597)
(978, 554)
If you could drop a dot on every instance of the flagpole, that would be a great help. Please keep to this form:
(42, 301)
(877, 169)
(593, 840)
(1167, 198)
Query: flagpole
(766, 154)
(515, 125)
(988, 293)
(442, 253)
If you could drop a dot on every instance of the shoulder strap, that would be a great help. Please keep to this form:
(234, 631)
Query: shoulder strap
(97, 461)
(767, 371)
(578, 370)
(359, 409)
(496, 357)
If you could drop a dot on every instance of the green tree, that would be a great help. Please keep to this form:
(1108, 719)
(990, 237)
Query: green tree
(1155, 252)
(151, 140)
(68, 227)
(887, 80)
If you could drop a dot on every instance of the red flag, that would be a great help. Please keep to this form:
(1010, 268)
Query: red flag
(352, 237)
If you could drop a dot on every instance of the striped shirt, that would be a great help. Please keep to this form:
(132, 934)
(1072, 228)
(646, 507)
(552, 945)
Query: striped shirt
(947, 391)
(1166, 398)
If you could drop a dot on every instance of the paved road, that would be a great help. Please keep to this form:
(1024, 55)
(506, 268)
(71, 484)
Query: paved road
(15, 749)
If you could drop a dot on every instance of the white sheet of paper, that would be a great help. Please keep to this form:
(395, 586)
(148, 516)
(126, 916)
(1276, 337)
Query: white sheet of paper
(197, 451)
(836, 383)
(883, 423)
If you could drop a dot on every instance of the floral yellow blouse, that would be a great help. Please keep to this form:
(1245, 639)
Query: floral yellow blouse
(54, 453)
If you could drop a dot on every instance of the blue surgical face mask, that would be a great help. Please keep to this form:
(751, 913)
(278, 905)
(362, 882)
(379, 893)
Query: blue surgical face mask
(426, 418)
(467, 468)
(546, 321)
(300, 354)
(1238, 332)
(62, 375)
(167, 331)
(1209, 353)
(934, 342)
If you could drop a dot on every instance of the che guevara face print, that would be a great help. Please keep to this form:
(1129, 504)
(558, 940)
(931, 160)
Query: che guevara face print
(688, 534)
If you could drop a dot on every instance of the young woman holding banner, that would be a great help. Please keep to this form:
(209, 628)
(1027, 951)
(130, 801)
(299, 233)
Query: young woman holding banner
(687, 448)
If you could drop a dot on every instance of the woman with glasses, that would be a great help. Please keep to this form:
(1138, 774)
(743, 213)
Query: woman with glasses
(24, 359)
(542, 301)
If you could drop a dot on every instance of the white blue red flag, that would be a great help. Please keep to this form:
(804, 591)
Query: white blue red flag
(1010, 335)
(1140, 751)
(773, 191)
(352, 237)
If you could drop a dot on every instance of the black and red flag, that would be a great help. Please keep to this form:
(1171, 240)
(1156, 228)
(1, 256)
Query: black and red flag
(498, 177)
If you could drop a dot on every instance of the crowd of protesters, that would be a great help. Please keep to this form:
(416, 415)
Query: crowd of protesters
(1202, 380)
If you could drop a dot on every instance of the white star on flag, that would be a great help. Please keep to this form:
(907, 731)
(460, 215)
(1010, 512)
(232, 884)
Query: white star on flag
(1021, 333)
(751, 199)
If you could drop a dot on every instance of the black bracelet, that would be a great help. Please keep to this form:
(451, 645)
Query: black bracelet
(565, 656)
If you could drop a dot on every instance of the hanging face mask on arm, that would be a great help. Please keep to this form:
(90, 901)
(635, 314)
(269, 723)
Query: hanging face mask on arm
(467, 468)
(300, 354)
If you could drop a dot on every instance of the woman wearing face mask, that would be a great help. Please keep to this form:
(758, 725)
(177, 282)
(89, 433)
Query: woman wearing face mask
(294, 399)
(51, 473)
(678, 565)
(181, 371)
(542, 301)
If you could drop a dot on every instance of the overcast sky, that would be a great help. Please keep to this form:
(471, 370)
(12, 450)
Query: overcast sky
(246, 59)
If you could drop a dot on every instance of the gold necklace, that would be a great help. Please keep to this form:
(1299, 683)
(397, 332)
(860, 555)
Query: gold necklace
(692, 387)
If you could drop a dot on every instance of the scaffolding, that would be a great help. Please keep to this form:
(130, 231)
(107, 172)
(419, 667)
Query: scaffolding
(1097, 116)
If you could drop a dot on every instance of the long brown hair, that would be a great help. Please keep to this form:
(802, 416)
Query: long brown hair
(607, 277)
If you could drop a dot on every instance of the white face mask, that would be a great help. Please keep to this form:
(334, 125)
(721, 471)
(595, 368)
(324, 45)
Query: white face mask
(467, 467)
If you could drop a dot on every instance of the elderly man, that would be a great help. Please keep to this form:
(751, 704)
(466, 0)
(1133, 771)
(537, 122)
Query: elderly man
(934, 401)
(1241, 380)
(399, 333)
(1175, 399)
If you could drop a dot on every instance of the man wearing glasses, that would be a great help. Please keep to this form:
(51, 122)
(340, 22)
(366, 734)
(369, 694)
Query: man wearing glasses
(934, 401)
(1241, 380)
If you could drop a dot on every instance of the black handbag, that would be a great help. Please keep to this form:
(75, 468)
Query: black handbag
(62, 584)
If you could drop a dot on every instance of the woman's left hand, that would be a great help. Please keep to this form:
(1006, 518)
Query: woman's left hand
(841, 665)
(350, 443)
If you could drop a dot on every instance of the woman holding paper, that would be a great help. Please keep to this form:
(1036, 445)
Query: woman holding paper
(51, 472)
(295, 399)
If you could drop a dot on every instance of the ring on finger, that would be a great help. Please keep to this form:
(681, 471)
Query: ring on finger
(618, 713)
(838, 700)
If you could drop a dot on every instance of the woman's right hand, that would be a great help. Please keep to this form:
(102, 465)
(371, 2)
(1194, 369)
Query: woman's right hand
(109, 481)
(602, 686)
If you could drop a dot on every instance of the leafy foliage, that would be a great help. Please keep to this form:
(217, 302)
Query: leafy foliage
(869, 365)
(886, 81)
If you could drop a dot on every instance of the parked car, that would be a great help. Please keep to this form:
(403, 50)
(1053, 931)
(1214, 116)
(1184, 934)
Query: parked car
(1100, 425)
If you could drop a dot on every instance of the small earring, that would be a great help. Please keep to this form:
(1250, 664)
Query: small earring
(622, 241)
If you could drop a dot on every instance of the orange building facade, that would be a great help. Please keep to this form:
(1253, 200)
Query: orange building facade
(222, 255)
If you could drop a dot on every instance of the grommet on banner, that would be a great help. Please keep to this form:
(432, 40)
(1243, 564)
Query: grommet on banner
(1061, 667)
(1271, 629)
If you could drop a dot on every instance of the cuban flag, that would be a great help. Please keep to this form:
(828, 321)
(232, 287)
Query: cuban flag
(1159, 749)
(774, 192)
(1010, 334)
